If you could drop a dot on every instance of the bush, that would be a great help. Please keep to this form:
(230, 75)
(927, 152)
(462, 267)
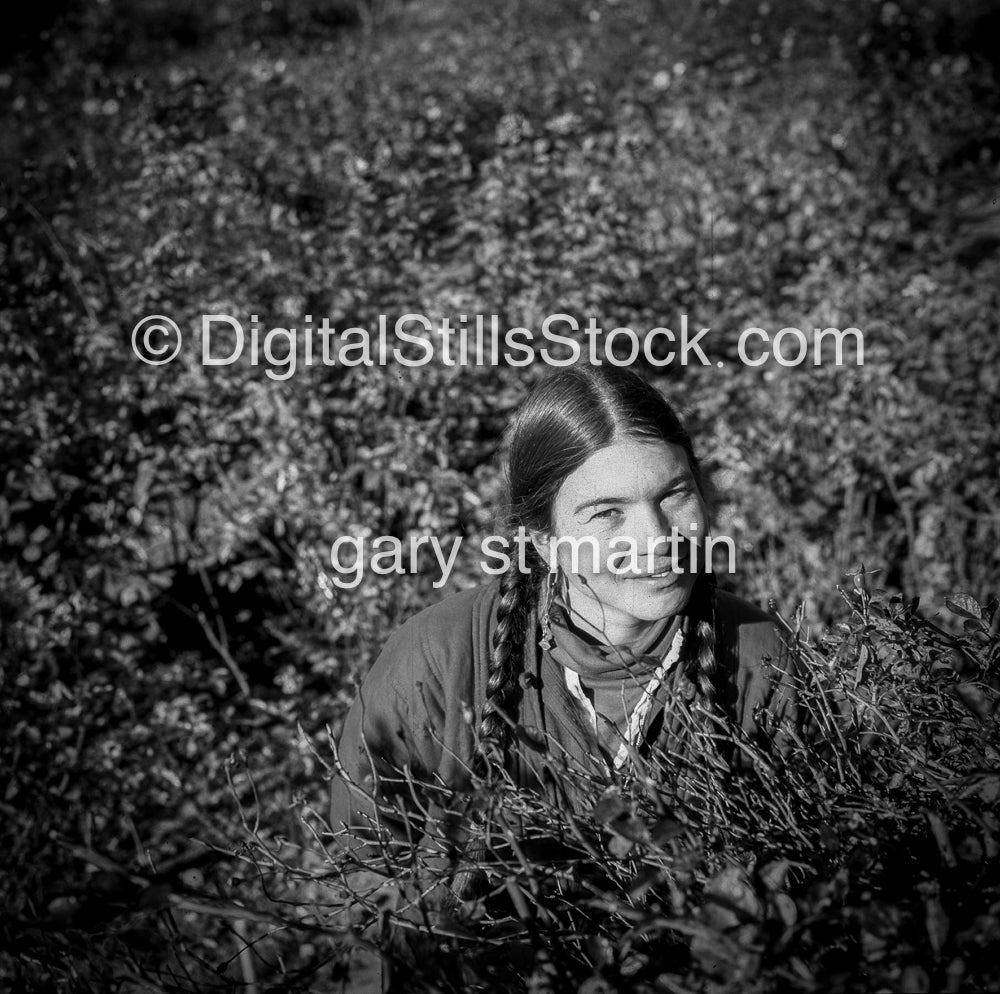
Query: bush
(863, 860)
(165, 594)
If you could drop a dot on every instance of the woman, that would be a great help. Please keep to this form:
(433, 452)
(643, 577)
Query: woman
(592, 659)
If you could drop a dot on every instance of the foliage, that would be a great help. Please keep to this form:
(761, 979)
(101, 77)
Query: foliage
(864, 859)
(164, 588)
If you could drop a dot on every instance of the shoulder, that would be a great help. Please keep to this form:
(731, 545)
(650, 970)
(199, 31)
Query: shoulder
(426, 667)
(760, 660)
(737, 610)
(449, 622)
(440, 642)
(748, 629)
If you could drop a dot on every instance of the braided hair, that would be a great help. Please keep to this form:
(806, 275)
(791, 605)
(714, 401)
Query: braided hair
(700, 644)
(503, 683)
(570, 415)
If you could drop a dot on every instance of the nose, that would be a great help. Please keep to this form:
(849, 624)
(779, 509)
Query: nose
(659, 521)
(652, 523)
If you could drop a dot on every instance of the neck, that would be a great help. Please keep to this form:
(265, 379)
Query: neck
(590, 617)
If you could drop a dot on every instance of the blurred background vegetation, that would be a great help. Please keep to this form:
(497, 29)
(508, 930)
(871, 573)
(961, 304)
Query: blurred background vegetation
(164, 597)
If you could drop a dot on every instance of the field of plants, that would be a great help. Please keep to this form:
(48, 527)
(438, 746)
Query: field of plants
(174, 652)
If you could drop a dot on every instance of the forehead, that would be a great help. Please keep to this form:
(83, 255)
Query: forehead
(630, 469)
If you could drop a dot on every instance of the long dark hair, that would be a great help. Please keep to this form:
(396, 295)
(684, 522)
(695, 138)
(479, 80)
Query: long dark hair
(569, 416)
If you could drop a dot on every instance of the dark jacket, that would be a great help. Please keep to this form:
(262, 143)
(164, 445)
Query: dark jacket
(419, 706)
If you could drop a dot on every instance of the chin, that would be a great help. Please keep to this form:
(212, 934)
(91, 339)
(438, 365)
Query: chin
(655, 604)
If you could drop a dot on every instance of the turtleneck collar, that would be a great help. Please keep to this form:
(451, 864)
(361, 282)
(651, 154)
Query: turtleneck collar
(603, 665)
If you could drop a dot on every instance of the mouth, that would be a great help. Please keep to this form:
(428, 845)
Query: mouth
(670, 569)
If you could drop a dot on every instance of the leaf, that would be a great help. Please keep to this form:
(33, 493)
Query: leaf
(829, 838)
(601, 950)
(643, 881)
(595, 985)
(631, 828)
(62, 909)
(859, 671)
(774, 874)
(665, 829)
(722, 956)
(982, 785)
(914, 978)
(730, 898)
(787, 910)
(872, 945)
(40, 488)
(192, 878)
(970, 850)
(954, 975)
(976, 699)
(608, 808)
(619, 846)
(937, 922)
(964, 606)
(941, 837)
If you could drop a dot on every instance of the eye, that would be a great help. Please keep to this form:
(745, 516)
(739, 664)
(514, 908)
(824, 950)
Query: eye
(608, 514)
(682, 490)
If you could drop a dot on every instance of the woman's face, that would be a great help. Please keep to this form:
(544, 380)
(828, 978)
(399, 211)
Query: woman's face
(637, 489)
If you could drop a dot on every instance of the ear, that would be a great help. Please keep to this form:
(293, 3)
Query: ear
(540, 540)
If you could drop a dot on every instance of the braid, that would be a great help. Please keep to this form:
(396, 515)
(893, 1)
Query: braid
(503, 686)
(702, 662)
(503, 695)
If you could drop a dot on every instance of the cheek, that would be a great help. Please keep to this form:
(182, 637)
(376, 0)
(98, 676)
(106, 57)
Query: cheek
(583, 560)
(692, 522)
(583, 548)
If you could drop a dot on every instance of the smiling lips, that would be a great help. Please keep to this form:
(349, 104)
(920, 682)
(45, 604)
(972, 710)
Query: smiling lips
(664, 572)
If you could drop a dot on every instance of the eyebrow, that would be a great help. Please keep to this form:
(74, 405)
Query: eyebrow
(667, 487)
